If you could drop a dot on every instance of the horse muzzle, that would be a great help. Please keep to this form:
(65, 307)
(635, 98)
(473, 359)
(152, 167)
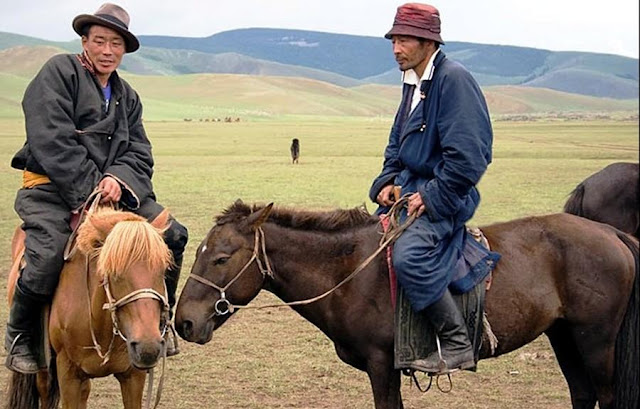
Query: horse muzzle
(145, 355)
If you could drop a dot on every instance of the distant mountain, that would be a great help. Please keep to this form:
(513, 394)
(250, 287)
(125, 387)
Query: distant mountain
(369, 59)
(348, 60)
(357, 57)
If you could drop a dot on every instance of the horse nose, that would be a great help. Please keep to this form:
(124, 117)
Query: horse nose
(185, 329)
(145, 355)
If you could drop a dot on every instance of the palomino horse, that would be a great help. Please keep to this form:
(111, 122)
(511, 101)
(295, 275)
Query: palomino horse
(609, 196)
(565, 276)
(108, 314)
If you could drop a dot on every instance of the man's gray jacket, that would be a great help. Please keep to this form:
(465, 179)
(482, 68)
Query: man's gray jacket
(75, 143)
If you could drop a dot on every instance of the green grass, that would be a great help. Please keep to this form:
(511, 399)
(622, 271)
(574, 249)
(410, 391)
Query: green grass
(274, 358)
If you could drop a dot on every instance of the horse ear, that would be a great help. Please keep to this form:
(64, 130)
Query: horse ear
(102, 225)
(256, 219)
(162, 220)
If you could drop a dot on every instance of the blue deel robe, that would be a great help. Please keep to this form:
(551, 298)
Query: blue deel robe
(441, 151)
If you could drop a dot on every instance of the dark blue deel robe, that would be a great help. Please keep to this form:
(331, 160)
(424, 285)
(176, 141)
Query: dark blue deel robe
(441, 151)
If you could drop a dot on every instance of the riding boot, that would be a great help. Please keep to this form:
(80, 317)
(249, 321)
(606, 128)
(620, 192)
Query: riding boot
(171, 279)
(20, 339)
(455, 350)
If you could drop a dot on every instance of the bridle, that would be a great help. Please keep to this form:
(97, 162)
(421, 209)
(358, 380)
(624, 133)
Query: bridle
(223, 306)
(112, 305)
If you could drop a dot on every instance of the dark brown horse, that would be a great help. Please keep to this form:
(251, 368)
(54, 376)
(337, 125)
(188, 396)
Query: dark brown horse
(610, 196)
(295, 150)
(107, 313)
(562, 275)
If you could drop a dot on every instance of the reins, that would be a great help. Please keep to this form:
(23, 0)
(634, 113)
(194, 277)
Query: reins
(388, 237)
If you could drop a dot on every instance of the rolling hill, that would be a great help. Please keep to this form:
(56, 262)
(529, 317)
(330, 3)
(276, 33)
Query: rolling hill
(257, 97)
(348, 60)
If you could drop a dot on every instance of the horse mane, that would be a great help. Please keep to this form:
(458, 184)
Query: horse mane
(120, 239)
(326, 221)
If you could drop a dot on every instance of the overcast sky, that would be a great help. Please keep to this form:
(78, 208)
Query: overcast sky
(609, 26)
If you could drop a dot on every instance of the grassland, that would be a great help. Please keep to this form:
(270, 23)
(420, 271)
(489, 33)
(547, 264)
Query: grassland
(274, 358)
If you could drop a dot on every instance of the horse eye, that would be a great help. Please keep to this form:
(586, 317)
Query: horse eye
(218, 261)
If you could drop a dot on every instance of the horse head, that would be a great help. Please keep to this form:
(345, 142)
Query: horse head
(228, 272)
(131, 259)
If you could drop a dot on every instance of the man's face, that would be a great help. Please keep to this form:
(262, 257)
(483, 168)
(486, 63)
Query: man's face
(410, 53)
(105, 48)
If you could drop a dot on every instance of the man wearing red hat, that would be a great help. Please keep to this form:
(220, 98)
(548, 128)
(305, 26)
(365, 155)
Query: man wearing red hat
(439, 148)
(84, 131)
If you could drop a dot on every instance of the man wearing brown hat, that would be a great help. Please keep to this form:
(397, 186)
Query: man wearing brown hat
(439, 148)
(84, 132)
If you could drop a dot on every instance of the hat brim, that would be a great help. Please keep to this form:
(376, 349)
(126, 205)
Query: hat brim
(131, 42)
(406, 30)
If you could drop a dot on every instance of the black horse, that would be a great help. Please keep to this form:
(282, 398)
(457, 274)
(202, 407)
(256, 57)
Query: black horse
(295, 150)
(609, 196)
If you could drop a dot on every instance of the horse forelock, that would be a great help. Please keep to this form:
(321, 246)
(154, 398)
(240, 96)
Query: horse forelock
(333, 220)
(120, 239)
(131, 242)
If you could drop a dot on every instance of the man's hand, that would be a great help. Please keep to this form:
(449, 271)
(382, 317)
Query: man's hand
(111, 190)
(385, 197)
(415, 204)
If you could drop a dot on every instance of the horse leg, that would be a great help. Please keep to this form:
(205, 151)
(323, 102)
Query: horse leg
(583, 394)
(74, 387)
(385, 383)
(597, 349)
(132, 387)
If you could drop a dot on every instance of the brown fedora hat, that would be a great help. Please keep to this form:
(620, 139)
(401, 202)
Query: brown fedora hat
(417, 20)
(112, 16)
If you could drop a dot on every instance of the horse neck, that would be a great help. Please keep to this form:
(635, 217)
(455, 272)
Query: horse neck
(309, 263)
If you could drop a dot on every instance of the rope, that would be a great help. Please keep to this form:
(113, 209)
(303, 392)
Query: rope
(393, 232)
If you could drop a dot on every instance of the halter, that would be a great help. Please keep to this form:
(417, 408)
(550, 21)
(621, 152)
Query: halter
(395, 230)
(223, 306)
(113, 305)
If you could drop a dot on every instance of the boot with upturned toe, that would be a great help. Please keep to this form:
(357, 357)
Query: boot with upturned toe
(455, 350)
(24, 318)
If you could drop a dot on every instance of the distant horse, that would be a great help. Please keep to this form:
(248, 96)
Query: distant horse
(295, 150)
(609, 196)
(117, 271)
(562, 275)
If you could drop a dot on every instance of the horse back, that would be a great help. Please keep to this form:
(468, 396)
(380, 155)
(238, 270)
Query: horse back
(609, 196)
(559, 244)
(554, 267)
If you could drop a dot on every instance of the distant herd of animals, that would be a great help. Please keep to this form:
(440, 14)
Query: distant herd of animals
(586, 269)
(226, 119)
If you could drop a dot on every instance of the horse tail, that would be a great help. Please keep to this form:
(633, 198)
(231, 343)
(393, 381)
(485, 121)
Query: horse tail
(574, 204)
(22, 392)
(53, 387)
(627, 360)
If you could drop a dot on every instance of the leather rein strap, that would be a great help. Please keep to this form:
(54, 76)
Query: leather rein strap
(394, 231)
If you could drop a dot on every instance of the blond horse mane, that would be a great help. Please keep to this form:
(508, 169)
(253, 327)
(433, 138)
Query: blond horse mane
(120, 239)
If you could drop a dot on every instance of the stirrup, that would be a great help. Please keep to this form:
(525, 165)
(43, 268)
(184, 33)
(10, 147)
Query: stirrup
(171, 341)
(24, 362)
